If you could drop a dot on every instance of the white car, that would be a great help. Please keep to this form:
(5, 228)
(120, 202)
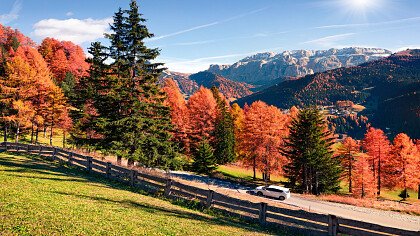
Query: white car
(273, 191)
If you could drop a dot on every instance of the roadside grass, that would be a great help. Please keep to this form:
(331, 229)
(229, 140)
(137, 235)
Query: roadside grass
(43, 198)
(237, 173)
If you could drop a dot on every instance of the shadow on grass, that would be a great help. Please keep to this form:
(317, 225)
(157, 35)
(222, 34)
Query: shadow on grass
(36, 164)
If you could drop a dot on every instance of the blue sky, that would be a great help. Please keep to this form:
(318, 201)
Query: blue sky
(192, 34)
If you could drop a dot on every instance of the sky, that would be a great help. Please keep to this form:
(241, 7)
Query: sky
(194, 34)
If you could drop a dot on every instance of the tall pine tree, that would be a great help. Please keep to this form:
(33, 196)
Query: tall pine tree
(311, 167)
(131, 122)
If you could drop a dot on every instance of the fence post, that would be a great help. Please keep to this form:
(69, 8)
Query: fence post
(17, 147)
(108, 169)
(133, 176)
(332, 225)
(263, 213)
(209, 200)
(27, 148)
(89, 164)
(168, 187)
(54, 153)
(40, 150)
(70, 157)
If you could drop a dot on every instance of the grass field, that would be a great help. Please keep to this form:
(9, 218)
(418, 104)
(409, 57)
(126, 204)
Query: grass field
(235, 171)
(43, 198)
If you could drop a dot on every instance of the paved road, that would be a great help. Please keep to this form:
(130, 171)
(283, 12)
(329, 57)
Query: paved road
(385, 218)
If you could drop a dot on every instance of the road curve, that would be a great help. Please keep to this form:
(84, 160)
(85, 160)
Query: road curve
(369, 215)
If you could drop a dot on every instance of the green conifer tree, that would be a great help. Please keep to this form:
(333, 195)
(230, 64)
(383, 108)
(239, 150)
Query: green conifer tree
(311, 169)
(204, 161)
(224, 133)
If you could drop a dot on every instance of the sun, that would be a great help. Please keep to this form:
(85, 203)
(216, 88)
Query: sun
(361, 4)
(360, 9)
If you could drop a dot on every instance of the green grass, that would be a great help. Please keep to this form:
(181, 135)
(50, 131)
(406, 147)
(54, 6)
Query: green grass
(43, 198)
(57, 139)
(243, 175)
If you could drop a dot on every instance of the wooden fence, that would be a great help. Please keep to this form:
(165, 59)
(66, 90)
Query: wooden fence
(298, 221)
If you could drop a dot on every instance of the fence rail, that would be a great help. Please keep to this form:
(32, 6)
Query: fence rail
(302, 221)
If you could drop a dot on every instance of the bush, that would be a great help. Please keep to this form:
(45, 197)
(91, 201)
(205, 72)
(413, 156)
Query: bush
(404, 194)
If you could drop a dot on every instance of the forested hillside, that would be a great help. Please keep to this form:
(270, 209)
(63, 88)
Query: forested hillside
(389, 88)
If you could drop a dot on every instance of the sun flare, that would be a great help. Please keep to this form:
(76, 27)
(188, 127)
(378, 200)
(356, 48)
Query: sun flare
(361, 4)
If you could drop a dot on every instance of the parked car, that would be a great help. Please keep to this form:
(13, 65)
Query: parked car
(273, 191)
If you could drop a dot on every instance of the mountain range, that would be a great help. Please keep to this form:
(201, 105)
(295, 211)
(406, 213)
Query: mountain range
(389, 88)
(264, 68)
(257, 72)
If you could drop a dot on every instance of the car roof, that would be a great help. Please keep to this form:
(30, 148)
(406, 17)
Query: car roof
(278, 187)
(274, 186)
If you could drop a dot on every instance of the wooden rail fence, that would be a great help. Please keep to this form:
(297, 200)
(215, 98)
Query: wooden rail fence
(300, 221)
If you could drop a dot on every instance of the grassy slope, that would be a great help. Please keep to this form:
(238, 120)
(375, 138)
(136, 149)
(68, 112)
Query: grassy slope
(39, 198)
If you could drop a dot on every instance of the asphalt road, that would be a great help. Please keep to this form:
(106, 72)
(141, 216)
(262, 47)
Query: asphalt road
(380, 217)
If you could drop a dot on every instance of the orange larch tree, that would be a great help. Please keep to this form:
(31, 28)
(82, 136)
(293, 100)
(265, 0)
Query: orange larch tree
(179, 113)
(238, 121)
(403, 164)
(263, 131)
(347, 151)
(16, 89)
(363, 179)
(64, 57)
(378, 148)
(202, 109)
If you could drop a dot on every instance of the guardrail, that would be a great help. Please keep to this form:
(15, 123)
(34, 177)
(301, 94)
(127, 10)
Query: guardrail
(300, 221)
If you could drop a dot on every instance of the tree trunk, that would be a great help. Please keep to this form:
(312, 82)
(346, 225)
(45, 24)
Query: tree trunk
(5, 132)
(17, 133)
(119, 160)
(36, 134)
(254, 168)
(379, 176)
(51, 135)
(45, 131)
(350, 181)
(418, 193)
(305, 179)
(64, 139)
(130, 162)
(32, 132)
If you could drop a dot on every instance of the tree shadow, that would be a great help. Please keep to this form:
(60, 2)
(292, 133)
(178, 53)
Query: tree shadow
(35, 164)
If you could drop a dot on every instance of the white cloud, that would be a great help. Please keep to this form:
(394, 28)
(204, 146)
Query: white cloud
(406, 47)
(75, 30)
(404, 20)
(329, 41)
(205, 25)
(13, 14)
(69, 13)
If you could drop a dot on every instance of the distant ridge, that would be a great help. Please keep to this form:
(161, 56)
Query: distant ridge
(263, 68)
(389, 88)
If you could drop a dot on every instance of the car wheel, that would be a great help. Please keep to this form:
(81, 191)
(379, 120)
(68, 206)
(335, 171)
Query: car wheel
(259, 194)
(282, 198)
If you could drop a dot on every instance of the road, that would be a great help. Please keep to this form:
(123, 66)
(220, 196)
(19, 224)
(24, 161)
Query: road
(380, 217)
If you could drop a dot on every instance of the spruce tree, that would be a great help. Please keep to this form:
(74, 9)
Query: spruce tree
(224, 133)
(311, 168)
(132, 122)
(204, 161)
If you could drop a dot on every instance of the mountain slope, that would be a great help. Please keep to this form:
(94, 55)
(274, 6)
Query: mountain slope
(188, 84)
(389, 88)
(263, 68)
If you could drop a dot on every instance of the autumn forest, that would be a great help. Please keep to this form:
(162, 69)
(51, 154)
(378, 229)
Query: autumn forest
(112, 103)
